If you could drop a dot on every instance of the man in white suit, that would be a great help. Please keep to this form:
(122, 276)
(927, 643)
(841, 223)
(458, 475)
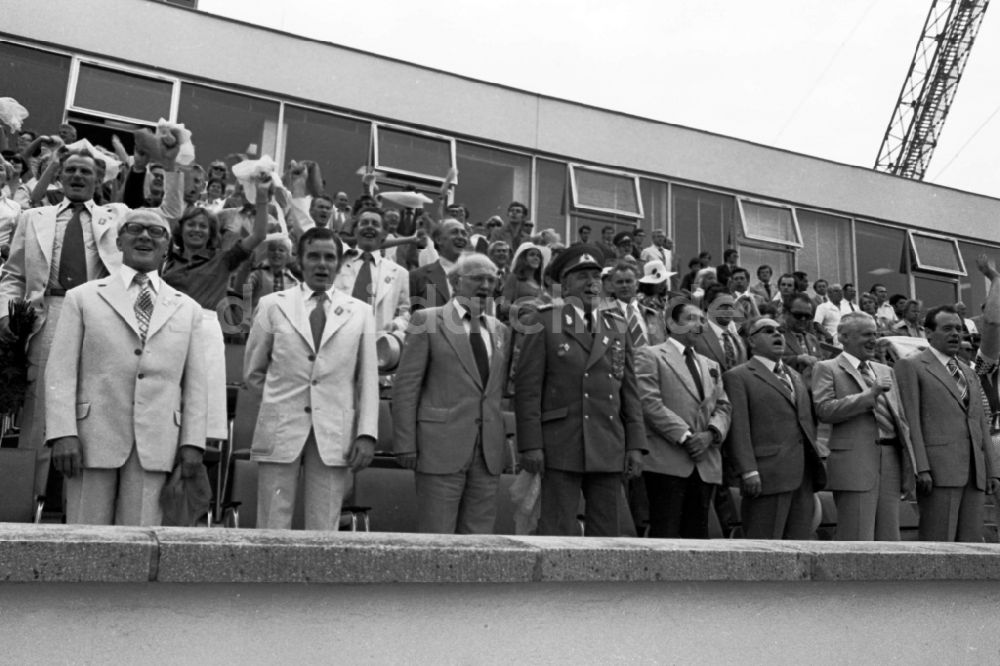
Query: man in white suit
(56, 248)
(311, 356)
(446, 404)
(369, 277)
(687, 418)
(126, 384)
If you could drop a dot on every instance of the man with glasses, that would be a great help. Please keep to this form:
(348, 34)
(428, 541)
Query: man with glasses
(126, 384)
(802, 350)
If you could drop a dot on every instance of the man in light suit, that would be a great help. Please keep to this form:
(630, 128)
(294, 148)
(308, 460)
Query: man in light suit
(718, 340)
(955, 459)
(54, 249)
(871, 456)
(371, 278)
(126, 384)
(446, 404)
(429, 285)
(311, 355)
(687, 418)
(771, 444)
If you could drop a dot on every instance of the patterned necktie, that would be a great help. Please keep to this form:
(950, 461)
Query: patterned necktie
(782, 373)
(692, 366)
(730, 349)
(73, 257)
(143, 304)
(882, 414)
(478, 347)
(635, 327)
(363, 283)
(317, 318)
(963, 385)
(279, 280)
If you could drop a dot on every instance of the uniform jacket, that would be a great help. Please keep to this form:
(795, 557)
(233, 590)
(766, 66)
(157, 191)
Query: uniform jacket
(104, 386)
(854, 459)
(672, 407)
(392, 290)
(770, 432)
(575, 392)
(944, 432)
(428, 287)
(332, 391)
(439, 404)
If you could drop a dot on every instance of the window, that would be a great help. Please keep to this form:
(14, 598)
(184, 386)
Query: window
(938, 254)
(770, 222)
(752, 258)
(426, 156)
(826, 247)
(338, 145)
(550, 194)
(931, 292)
(973, 287)
(703, 222)
(38, 81)
(654, 207)
(880, 253)
(123, 94)
(489, 179)
(224, 122)
(602, 191)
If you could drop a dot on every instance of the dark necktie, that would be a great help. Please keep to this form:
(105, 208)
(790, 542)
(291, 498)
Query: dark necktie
(143, 304)
(692, 366)
(730, 349)
(635, 327)
(767, 288)
(588, 317)
(883, 417)
(73, 258)
(478, 347)
(363, 283)
(959, 376)
(782, 373)
(317, 318)
(279, 280)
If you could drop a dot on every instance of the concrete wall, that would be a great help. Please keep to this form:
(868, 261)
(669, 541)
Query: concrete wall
(118, 595)
(216, 49)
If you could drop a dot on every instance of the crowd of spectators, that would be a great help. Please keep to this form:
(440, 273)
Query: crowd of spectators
(646, 391)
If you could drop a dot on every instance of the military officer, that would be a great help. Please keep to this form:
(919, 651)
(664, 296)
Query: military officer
(579, 419)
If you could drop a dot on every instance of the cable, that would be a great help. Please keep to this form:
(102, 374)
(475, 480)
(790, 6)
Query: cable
(967, 142)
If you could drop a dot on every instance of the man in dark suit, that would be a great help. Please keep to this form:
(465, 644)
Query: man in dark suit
(955, 459)
(446, 405)
(718, 340)
(579, 420)
(429, 285)
(802, 350)
(870, 464)
(772, 440)
(687, 417)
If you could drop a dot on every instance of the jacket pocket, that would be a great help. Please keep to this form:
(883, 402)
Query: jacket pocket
(555, 414)
(82, 410)
(434, 414)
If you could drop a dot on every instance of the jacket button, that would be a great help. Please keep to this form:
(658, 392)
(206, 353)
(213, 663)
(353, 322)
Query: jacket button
(586, 395)
(308, 410)
(141, 375)
(312, 357)
(315, 382)
(479, 421)
(138, 352)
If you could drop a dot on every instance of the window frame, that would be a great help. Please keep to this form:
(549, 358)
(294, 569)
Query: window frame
(74, 80)
(918, 265)
(433, 178)
(584, 208)
(796, 244)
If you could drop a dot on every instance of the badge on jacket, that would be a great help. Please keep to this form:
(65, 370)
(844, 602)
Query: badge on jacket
(618, 359)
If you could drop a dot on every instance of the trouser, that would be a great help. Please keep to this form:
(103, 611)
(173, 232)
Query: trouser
(786, 515)
(32, 434)
(561, 498)
(678, 506)
(873, 515)
(464, 502)
(128, 495)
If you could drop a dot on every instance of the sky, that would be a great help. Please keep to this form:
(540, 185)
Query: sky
(811, 76)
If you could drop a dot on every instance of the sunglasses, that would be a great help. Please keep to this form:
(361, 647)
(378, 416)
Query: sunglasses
(802, 316)
(136, 229)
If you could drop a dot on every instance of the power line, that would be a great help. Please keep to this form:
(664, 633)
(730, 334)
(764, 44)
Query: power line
(967, 142)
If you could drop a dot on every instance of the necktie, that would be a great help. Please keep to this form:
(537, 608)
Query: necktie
(478, 347)
(730, 349)
(963, 385)
(363, 283)
(317, 318)
(882, 414)
(692, 366)
(635, 327)
(143, 304)
(767, 288)
(782, 373)
(279, 280)
(73, 258)
(588, 317)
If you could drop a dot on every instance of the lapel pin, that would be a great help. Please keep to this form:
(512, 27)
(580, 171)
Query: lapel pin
(569, 320)
(604, 341)
(338, 310)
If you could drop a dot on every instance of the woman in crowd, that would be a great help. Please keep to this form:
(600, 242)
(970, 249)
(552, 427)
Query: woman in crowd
(200, 269)
(525, 284)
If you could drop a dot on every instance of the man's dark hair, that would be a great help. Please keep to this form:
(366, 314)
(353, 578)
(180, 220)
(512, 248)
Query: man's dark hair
(800, 275)
(624, 266)
(798, 296)
(465, 209)
(694, 262)
(325, 197)
(896, 298)
(848, 284)
(711, 293)
(826, 282)
(729, 253)
(785, 276)
(317, 234)
(764, 267)
(607, 227)
(678, 308)
(739, 269)
(583, 227)
(517, 204)
(930, 322)
(876, 286)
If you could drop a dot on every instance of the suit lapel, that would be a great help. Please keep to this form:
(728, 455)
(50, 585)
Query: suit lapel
(440, 281)
(573, 326)
(341, 308)
(939, 371)
(113, 292)
(45, 232)
(849, 368)
(454, 332)
(380, 277)
(167, 301)
(675, 361)
(290, 303)
(771, 379)
(602, 338)
(715, 345)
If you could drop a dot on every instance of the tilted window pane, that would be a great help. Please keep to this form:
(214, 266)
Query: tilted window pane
(338, 145)
(605, 191)
(224, 122)
(122, 94)
(37, 80)
(413, 153)
(772, 223)
(489, 180)
(936, 254)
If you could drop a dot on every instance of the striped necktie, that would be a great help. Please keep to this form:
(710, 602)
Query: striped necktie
(782, 373)
(635, 326)
(143, 304)
(959, 376)
(883, 417)
(730, 348)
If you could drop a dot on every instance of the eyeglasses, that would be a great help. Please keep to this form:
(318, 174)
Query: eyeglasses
(136, 229)
(802, 316)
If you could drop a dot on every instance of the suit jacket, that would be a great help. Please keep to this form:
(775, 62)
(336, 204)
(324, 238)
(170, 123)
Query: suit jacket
(793, 349)
(439, 404)
(26, 272)
(428, 287)
(671, 407)
(758, 288)
(575, 393)
(944, 432)
(392, 290)
(710, 345)
(854, 459)
(770, 432)
(332, 390)
(104, 386)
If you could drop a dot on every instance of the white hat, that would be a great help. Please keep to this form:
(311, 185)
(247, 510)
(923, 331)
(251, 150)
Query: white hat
(388, 347)
(654, 272)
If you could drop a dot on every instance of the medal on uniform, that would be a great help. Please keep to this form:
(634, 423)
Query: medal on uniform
(569, 320)
(617, 359)
(563, 348)
(605, 340)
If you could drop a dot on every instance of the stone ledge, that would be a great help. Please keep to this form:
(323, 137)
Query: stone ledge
(55, 553)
